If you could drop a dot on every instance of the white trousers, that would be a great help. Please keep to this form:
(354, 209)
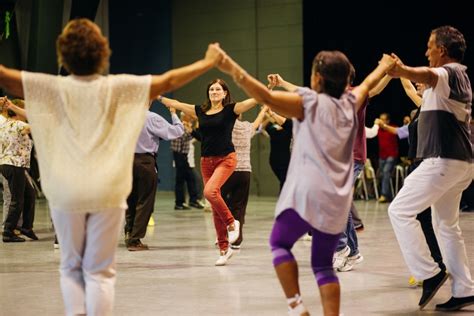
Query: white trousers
(88, 243)
(437, 182)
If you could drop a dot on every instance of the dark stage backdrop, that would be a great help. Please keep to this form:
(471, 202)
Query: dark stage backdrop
(140, 39)
(399, 27)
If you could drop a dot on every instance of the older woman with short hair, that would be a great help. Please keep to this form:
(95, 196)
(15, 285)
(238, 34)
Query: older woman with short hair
(85, 127)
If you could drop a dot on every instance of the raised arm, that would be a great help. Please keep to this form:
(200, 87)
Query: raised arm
(286, 103)
(275, 80)
(380, 86)
(162, 129)
(10, 80)
(410, 90)
(174, 79)
(362, 90)
(10, 106)
(260, 117)
(417, 74)
(244, 106)
(187, 108)
(371, 132)
(386, 127)
(280, 120)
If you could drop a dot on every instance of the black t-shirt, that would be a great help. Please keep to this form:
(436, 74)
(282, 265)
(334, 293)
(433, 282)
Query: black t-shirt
(280, 140)
(216, 131)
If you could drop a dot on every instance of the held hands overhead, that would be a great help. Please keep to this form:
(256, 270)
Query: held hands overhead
(274, 80)
(6, 104)
(214, 54)
(395, 70)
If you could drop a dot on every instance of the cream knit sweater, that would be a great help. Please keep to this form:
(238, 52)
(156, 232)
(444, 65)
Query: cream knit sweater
(85, 129)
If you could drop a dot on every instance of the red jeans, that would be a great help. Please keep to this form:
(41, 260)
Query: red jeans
(215, 172)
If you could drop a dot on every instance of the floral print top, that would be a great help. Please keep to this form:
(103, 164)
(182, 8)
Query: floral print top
(15, 143)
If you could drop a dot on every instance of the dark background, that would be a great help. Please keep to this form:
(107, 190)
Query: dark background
(140, 34)
(364, 30)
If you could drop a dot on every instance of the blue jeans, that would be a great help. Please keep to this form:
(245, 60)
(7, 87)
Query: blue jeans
(349, 236)
(386, 167)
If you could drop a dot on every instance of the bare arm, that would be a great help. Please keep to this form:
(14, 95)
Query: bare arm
(187, 108)
(362, 90)
(244, 106)
(275, 80)
(10, 106)
(260, 117)
(174, 79)
(380, 86)
(280, 120)
(287, 103)
(10, 79)
(411, 91)
(417, 74)
(388, 128)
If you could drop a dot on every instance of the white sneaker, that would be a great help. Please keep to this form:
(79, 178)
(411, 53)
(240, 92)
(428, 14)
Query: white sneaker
(350, 263)
(224, 257)
(356, 259)
(346, 266)
(298, 310)
(340, 257)
(234, 234)
(307, 237)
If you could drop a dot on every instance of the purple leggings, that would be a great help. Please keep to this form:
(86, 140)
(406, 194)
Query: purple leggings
(288, 228)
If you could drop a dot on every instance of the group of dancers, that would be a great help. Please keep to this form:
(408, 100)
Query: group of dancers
(87, 119)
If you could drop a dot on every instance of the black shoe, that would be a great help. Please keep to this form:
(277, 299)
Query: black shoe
(431, 286)
(181, 207)
(196, 204)
(455, 303)
(29, 233)
(11, 237)
(136, 245)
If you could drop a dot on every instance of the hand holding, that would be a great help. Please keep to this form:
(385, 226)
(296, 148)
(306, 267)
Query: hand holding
(274, 80)
(214, 54)
(387, 61)
(395, 70)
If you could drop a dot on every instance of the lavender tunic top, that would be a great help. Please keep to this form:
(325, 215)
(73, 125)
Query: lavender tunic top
(319, 181)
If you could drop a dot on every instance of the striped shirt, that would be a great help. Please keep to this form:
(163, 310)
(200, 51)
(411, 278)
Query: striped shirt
(443, 125)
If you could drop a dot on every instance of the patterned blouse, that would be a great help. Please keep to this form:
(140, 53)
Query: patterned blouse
(241, 138)
(15, 143)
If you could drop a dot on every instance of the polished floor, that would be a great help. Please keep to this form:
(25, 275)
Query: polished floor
(177, 275)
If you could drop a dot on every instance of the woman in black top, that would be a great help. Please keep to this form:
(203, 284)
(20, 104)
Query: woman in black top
(280, 131)
(216, 121)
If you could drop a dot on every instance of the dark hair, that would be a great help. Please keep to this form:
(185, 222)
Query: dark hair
(227, 100)
(82, 49)
(352, 75)
(453, 40)
(334, 68)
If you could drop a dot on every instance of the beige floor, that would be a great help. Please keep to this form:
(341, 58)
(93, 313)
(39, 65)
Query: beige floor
(178, 277)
